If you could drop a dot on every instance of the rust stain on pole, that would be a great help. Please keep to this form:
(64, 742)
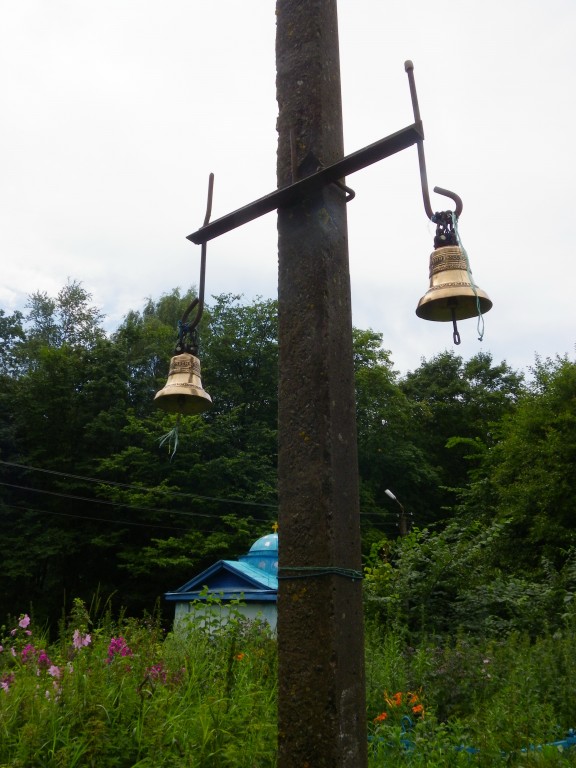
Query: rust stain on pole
(320, 626)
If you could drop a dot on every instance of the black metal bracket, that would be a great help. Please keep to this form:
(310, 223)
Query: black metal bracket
(282, 198)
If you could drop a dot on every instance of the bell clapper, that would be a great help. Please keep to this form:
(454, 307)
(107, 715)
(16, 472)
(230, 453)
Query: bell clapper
(456, 334)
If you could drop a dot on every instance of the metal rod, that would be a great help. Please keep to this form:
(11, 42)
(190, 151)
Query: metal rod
(409, 67)
(199, 301)
(291, 194)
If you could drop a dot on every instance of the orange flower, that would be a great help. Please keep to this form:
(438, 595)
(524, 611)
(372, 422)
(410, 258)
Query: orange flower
(418, 709)
(381, 717)
(239, 656)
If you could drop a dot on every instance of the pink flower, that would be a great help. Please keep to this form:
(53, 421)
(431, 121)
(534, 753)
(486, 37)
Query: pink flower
(27, 651)
(157, 673)
(79, 640)
(24, 621)
(6, 682)
(43, 660)
(54, 671)
(117, 646)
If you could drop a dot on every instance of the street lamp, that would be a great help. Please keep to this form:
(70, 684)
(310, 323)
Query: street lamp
(321, 693)
(403, 523)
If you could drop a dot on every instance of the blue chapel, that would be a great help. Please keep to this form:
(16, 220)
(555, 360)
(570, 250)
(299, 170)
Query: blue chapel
(252, 580)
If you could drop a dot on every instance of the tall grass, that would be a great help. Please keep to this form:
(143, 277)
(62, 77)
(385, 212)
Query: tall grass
(123, 694)
(131, 698)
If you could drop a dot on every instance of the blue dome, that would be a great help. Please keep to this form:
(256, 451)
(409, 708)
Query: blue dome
(268, 543)
(263, 554)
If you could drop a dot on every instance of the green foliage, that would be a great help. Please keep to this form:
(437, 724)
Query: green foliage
(90, 500)
(532, 467)
(387, 453)
(482, 702)
(124, 695)
(457, 399)
(439, 583)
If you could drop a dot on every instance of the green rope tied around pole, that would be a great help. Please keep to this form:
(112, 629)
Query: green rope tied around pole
(480, 325)
(311, 571)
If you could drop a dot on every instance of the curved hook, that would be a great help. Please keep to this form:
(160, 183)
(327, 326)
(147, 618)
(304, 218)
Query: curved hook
(409, 68)
(452, 196)
(198, 303)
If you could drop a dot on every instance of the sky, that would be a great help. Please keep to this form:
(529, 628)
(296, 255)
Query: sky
(115, 112)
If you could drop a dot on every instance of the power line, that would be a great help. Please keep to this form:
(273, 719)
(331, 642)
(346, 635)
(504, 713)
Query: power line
(140, 488)
(112, 503)
(143, 489)
(99, 519)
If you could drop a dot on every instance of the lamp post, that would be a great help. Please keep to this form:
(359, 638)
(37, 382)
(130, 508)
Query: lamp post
(321, 699)
(403, 518)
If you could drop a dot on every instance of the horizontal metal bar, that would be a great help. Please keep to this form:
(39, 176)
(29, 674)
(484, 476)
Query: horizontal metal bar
(286, 196)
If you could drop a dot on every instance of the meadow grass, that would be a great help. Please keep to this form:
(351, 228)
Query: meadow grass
(124, 694)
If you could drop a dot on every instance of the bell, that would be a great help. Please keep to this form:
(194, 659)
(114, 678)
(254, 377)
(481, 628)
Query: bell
(451, 295)
(183, 392)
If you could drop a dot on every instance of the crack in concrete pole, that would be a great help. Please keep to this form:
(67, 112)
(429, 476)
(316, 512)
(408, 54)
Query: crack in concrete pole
(320, 625)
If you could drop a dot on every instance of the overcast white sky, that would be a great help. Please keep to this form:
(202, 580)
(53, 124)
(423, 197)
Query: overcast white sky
(114, 113)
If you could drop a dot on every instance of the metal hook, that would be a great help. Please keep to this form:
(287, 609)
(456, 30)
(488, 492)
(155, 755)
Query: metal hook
(198, 303)
(409, 67)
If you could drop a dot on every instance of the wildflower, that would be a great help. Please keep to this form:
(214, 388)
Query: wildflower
(54, 695)
(395, 701)
(239, 656)
(117, 646)
(418, 709)
(6, 682)
(24, 621)
(54, 671)
(27, 651)
(79, 640)
(43, 660)
(381, 717)
(157, 672)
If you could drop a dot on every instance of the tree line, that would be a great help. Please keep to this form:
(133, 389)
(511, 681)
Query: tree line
(92, 503)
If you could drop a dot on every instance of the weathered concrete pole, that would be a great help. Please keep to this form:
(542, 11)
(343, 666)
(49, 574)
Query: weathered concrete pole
(320, 626)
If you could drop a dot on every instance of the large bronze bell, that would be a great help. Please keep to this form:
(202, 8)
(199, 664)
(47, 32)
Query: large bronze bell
(183, 392)
(451, 295)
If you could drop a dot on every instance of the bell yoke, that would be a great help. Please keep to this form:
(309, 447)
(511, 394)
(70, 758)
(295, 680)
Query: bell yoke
(451, 296)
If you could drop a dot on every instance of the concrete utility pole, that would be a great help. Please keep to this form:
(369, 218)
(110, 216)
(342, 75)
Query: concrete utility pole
(320, 624)
(321, 709)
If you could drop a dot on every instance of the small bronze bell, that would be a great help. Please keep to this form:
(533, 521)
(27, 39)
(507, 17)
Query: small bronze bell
(451, 295)
(183, 392)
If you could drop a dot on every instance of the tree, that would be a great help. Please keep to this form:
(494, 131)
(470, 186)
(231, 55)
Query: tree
(388, 455)
(532, 467)
(458, 400)
(11, 336)
(68, 319)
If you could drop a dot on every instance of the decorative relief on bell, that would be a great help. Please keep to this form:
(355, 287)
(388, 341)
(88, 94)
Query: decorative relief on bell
(183, 392)
(451, 295)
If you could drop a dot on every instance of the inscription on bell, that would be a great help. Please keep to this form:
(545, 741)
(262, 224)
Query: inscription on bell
(191, 365)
